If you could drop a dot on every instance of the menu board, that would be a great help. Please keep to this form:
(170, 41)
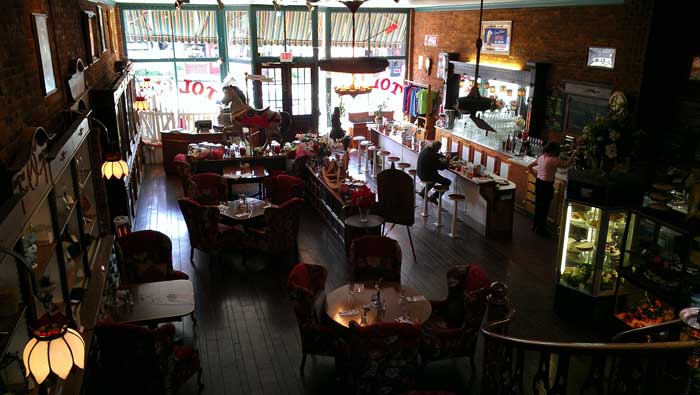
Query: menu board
(553, 114)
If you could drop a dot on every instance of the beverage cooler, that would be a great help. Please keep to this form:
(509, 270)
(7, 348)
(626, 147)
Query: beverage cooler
(588, 256)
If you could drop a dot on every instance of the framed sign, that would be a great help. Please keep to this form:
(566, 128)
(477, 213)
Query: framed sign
(286, 57)
(102, 27)
(603, 58)
(430, 40)
(41, 31)
(496, 37)
(695, 69)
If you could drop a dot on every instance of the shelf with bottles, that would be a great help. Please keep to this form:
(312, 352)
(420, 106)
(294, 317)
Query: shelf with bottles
(590, 251)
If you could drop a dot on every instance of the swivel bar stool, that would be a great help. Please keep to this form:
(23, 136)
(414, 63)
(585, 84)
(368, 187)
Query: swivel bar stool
(456, 198)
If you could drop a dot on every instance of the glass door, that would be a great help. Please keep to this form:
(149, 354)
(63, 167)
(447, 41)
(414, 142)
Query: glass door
(293, 88)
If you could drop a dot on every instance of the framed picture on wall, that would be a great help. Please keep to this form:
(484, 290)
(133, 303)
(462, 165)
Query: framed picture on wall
(102, 26)
(603, 58)
(89, 19)
(41, 32)
(496, 36)
(695, 69)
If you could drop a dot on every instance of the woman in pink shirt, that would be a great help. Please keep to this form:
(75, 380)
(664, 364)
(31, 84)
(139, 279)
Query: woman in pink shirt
(547, 165)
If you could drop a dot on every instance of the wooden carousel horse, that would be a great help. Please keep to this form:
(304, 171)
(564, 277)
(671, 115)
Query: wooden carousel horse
(275, 125)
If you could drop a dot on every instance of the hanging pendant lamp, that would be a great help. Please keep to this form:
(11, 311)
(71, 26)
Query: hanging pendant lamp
(353, 65)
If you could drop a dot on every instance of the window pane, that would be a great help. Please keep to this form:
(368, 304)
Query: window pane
(195, 35)
(270, 33)
(272, 91)
(322, 34)
(301, 91)
(156, 82)
(237, 72)
(299, 33)
(199, 88)
(238, 35)
(388, 34)
(341, 34)
(148, 34)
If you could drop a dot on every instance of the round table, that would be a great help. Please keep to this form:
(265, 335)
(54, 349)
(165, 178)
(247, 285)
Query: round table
(340, 300)
(355, 228)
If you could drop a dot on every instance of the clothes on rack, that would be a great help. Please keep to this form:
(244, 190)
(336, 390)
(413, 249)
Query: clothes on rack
(425, 101)
(417, 100)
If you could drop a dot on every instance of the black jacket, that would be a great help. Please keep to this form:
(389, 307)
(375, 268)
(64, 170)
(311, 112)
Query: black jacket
(429, 162)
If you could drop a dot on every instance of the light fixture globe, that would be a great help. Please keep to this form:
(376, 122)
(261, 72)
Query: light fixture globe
(53, 349)
(114, 167)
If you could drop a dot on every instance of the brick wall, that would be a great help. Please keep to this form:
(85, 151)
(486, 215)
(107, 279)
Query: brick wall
(22, 102)
(557, 35)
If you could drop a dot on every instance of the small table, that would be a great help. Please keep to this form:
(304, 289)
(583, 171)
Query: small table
(234, 213)
(355, 228)
(155, 303)
(246, 175)
(341, 300)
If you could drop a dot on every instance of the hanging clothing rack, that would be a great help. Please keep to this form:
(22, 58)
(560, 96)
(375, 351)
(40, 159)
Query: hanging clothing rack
(409, 82)
(428, 119)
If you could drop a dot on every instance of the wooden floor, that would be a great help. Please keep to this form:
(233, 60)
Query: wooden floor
(247, 333)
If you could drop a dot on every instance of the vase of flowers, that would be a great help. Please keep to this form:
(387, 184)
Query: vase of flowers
(607, 144)
(363, 199)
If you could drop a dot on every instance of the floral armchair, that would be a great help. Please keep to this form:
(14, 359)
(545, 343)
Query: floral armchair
(375, 257)
(383, 358)
(136, 359)
(147, 256)
(279, 235)
(453, 327)
(205, 231)
(208, 188)
(280, 188)
(306, 284)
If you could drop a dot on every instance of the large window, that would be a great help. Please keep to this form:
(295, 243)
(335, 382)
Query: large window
(237, 34)
(285, 31)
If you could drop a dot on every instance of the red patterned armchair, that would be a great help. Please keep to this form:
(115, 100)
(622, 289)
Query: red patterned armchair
(453, 327)
(279, 235)
(306, 284)
(280, 188)
(135, 359)
(208, 188)
(184, 171)
(383, 358)
(375, 257)
(147, 256)
(205, 231)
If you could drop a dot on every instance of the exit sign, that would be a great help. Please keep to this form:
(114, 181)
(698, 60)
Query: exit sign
(286, 57)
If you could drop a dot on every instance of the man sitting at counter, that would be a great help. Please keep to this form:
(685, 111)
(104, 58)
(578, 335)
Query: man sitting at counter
(430, 162)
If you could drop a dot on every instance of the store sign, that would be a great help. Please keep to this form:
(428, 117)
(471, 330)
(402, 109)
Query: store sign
(198, 89)
(388, 85)
(286, 57)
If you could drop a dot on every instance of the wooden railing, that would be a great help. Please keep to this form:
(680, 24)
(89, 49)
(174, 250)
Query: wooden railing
(513, 365)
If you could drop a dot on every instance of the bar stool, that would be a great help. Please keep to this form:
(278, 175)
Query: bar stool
(382, 154)
(358, 140)
(440, 189)
(364, 145)
(456, 198)
(425, 212)
(371, 150)
(392, 160)
(412, 173)
(403, 166)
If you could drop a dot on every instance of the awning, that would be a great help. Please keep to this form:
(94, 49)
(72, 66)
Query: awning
(271, 28)
(385, 30)
(237, 27)
(165, 26)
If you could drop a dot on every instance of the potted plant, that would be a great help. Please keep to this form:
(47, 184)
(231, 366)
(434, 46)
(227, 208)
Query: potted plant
(379, 115)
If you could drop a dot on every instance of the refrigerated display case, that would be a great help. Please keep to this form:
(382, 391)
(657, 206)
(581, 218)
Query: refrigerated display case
(588, 257)
(659, 272)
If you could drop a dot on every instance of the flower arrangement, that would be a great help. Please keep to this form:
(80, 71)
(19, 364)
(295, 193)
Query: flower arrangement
(363, 197)
(379, 112)
(608, 144)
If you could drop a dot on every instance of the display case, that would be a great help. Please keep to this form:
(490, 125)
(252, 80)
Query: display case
(53, 219)
(660, 268)
(588, 257)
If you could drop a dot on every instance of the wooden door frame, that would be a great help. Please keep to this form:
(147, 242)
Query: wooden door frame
(287, 85)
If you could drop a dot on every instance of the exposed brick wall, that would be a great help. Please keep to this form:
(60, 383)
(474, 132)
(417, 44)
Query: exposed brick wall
(22, 102)
(557, 35)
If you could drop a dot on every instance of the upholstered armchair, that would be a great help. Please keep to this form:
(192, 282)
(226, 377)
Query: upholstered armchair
(205, 231)
(138, 360)
(208, 189)
(184, 171)
(279, 235)
(306, 284)
(382, 358)
(280, 188)
(147, 256)
(375, 257)
(453, 327)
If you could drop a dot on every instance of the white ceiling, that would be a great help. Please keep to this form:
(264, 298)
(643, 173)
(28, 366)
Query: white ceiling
(370, 3)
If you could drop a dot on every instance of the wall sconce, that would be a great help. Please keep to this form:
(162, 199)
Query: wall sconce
(503, 88)
(509, 92)
(521, 92)
(492, 89)
(487, 85)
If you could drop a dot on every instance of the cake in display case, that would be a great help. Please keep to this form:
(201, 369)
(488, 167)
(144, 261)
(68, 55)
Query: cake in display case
(659, 267)
(589, 254)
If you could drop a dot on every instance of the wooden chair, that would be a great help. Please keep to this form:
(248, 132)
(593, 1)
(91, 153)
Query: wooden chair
(397, 200)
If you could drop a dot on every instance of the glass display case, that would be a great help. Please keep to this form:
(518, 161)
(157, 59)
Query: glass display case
(660, 270)
(590, 248)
